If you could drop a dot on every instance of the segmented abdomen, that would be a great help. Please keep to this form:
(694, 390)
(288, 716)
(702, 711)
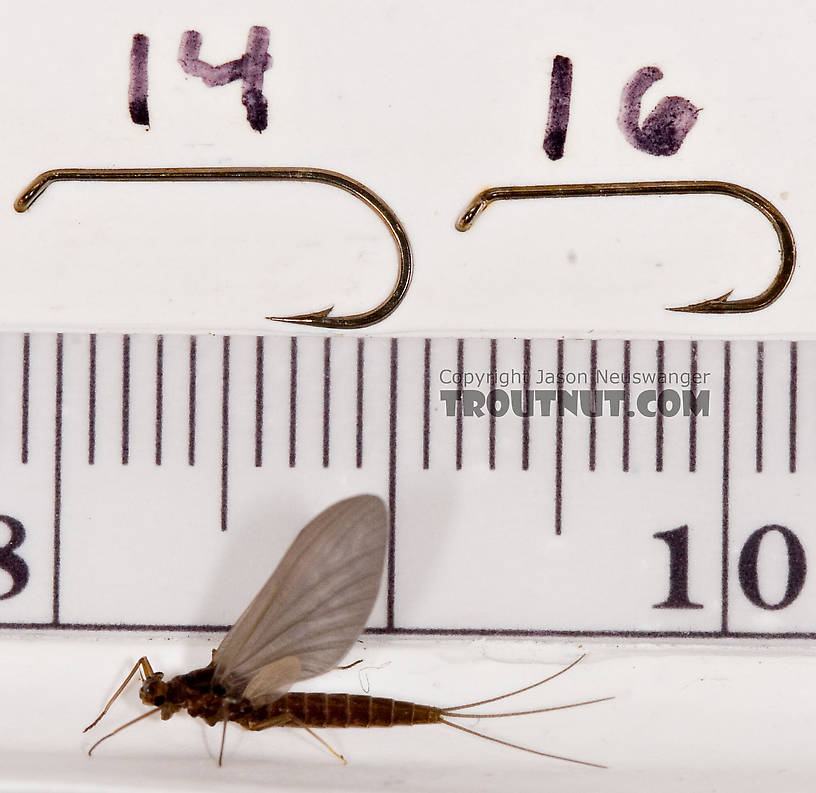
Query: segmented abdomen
(345, 710)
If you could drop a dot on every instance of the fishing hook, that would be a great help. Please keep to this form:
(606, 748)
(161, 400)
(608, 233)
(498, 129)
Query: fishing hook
(319, 319)
(715, 305)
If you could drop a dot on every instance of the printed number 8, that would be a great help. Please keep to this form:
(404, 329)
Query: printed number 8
(13, 564)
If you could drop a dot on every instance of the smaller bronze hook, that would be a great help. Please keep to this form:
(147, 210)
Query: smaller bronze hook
(319, 319)
(715, 305)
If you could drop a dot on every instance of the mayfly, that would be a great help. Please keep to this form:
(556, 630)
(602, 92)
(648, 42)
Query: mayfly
(301, 624)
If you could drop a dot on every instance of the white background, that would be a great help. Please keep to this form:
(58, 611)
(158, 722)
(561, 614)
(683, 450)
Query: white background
(426, 104)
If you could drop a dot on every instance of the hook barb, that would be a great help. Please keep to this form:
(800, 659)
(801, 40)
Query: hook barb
(319, 319)
(717, 305)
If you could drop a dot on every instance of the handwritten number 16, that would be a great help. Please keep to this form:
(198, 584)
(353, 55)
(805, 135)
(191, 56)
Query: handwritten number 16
(661, 134)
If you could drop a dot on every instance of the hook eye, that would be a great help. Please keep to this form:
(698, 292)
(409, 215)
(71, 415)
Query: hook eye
(319, 319)
(714, 305)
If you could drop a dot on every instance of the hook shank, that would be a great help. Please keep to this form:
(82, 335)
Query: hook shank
(320, 318)
(716, 305)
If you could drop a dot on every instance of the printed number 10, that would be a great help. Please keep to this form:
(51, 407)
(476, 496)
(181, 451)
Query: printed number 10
(678, 542)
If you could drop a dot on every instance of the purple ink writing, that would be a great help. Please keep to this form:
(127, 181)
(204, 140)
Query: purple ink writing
(137, 89)
(666, 127)
(558, 117)
(249, 68)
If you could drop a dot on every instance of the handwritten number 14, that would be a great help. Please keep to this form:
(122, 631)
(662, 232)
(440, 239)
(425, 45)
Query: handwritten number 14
(249, 69)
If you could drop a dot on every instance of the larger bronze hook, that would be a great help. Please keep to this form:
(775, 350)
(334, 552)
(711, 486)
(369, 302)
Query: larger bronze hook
(320, 319)
(715, 305)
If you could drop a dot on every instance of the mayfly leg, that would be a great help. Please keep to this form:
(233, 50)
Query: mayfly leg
(142, 666)
(287, 719)
(298, 723)
(123, 727)
(350, 666)
(223, 738)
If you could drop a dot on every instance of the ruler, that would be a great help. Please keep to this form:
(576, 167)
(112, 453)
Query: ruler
(640, 488)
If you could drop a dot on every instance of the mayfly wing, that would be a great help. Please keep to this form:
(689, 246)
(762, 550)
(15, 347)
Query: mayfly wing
(313, 607)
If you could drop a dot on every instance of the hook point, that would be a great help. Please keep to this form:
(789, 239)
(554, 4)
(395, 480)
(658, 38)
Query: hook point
(713, 305)
(311, 318)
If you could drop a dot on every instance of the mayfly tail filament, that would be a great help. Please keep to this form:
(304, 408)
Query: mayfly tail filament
(454, 712)
(517, 691)
(517, 746)
(446, 712)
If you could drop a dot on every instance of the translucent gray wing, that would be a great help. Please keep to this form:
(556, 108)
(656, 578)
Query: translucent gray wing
(313, 607)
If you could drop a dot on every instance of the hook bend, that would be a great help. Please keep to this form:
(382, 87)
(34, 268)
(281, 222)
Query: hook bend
(319, 319)
(715, 305)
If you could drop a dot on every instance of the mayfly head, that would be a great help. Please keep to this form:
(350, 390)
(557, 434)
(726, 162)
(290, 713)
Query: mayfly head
(154, 690)
(160, 694)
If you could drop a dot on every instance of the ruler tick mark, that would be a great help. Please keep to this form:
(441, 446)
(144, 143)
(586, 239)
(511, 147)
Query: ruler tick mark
(627, 367)
(326, 400)
(692, 413)
(225, 383)
(661, 368)
(259, 400)
(593, 385)
(159, 396)
(92, 399)
(25, 398)
(726, 477)
(191, 405)
(460, 368)
(525, 406)
(491, 441)
(760, 389)
(392, 484)
(426, 407)
(559, 437)
(794, 364)
(293, 367)
(125, 399)
(57, 478)
(360, 384)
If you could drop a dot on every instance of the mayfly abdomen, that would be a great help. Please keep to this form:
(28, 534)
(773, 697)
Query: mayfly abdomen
(344, 710)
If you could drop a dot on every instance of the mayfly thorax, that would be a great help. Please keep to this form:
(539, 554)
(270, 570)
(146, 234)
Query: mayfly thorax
(300, 625)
